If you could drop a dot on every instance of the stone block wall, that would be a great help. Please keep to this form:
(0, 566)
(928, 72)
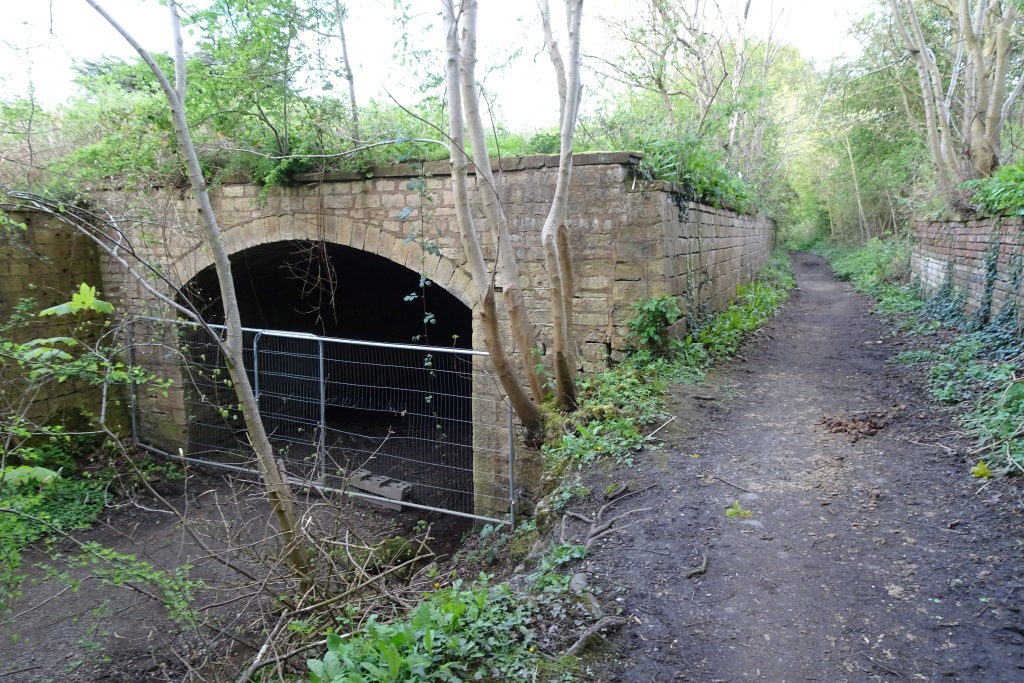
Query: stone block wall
(983, 256)
(710, 252)
(47, 262)
(628, 239)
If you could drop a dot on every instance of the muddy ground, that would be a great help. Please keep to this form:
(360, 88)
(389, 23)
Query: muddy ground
(872, 556)
(870, 553)
(59, 632)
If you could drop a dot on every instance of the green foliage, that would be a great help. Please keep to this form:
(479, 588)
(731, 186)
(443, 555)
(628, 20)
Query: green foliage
(879, 268)
(1003, 193)
(486, 547)
(981, 470)
(566, 494)
(33, 502)
(618, 438)
(648, 329)
(736, 511)
(455, 634)
(700, 173)
(633, 388)
(82, 301)
(914, 356)
(722, 336)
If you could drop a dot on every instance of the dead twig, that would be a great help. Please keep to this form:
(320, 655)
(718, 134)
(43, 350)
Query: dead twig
(937, 528)
(667, 423)
(602, 624)
(699, 570)
(936, 445)
(726, 481)
(880, 665)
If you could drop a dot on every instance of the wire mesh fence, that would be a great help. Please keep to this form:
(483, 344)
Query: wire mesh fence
(343, 414)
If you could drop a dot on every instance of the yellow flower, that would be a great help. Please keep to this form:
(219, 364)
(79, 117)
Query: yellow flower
(531, 648)
(437, 585)
(598, 448)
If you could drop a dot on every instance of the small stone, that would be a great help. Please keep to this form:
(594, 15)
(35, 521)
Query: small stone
(578, 583)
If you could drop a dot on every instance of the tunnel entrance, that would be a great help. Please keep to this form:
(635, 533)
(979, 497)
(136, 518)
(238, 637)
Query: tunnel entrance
(360, 366)
(334, 291)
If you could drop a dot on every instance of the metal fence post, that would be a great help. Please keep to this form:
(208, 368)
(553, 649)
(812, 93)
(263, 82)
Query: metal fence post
(511, 470)
(256, 367)
(323, 415)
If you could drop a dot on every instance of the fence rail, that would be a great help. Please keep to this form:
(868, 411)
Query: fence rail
(422, 415)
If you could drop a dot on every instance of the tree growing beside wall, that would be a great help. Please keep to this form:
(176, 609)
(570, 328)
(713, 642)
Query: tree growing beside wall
(278, 491)
(964, 53)
(460, 25)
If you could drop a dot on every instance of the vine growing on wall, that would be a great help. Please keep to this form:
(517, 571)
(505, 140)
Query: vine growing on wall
(417, 233)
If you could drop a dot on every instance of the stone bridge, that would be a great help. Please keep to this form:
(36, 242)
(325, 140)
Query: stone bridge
(354, 244)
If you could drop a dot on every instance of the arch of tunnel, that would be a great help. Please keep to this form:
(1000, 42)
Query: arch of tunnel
(629, 240)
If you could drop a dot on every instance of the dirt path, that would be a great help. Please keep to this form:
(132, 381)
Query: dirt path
(868, 561)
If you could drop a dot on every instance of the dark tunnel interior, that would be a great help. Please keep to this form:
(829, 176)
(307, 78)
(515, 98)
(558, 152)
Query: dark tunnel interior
(334, 291)
(338, 407)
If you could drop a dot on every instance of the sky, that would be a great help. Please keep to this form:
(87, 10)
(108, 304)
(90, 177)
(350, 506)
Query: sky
(40, 40)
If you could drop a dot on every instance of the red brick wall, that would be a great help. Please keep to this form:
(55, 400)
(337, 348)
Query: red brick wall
(967, 247)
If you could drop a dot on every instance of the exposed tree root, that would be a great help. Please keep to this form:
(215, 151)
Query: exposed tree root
(602, 624)
(600, 527)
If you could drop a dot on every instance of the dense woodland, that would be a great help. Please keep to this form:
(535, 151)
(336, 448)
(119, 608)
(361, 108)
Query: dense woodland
(926, 120)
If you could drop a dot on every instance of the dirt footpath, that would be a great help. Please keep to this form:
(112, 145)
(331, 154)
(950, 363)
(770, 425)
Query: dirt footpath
(865, 556)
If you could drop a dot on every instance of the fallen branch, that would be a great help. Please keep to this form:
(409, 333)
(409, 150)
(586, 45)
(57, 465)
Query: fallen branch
(699, 570)
(879, 665)
(726, 481)
(667, 423)
(602, 624)
(937, 528)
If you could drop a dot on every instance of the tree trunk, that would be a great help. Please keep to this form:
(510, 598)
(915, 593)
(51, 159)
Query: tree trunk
(508, 267)
(483, 288)
(856, 191)
(349, 76)
(278, 491)
(554, 234)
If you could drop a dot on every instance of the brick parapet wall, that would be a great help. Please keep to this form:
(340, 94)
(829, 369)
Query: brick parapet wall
(966, 247)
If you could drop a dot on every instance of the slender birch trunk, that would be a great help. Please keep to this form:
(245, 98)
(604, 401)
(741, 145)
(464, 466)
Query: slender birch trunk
(496, 223)
(483, 287)
(555, 233)
(278, 491)
(349, 76)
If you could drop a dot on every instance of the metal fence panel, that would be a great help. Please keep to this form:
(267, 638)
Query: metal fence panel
(332, 407)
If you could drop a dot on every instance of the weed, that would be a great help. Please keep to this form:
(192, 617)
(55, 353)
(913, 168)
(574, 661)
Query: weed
(458, 633)
(567, 493)
(914, 357)
(738, 511)
(618, 438)
(649, 328)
